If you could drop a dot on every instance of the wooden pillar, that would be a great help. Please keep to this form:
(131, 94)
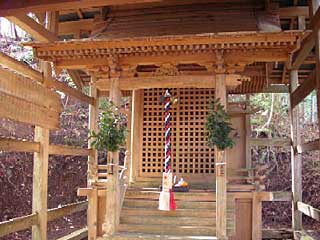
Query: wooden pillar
(41, 161)
(113, 191)
(221, 168)
(93, 126)
(317, 55)
(92, 174)
(256, 216)
(136, 133)
(40, 184)
(92, 214)
(248, 136)
(295, 158)
(127, 162)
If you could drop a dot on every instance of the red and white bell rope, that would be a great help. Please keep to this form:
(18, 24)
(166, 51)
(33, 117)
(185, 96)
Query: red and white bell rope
(166, 199)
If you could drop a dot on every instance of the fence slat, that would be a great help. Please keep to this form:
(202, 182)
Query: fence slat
(17, 224)
(66, 210)
(309, 210)
(14, 145)
(68, 150)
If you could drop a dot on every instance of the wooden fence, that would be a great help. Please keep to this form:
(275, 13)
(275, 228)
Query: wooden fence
(28, 96)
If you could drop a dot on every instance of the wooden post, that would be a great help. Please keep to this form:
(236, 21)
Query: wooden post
(248, 136)
(295, 158)
(113, 190)
(136, 133)
(256, 216)
(221, 168)
(127, 162)
(92, 174)
(317, 55)
(92, 214)
(40, 184)
(93, 126)
(41, 162)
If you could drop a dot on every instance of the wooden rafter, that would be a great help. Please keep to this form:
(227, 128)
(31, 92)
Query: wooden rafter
(303, 90)
(40, 33)
(36, 30)
(8, 8)
(306, 47)
(27, 71)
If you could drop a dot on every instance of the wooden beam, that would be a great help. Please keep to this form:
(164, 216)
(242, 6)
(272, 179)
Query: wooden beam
(180, 81)
(20, 110)
(27, 71)
(76, 235)
(303, 90)
(75, 78)
(40, 33)
(271, 55)
(14, 7)
(221, 168)
(68, 150)
(62, 87)
(20, 67)
(21, 87)
(306, 46)
(296, 160)
(309, 210)
(295, 11)
(272, 142)
(36, 30)
(75, 27)
(18, 145)
(17, 224)
(67, 209)
(309, 146)
(275, 196)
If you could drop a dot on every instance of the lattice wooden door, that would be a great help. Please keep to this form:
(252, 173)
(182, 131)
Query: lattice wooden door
(191, 155)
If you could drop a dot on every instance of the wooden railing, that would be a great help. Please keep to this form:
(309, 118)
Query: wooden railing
(309, 210)
(253, 176)
(25, 222)
(29, 97)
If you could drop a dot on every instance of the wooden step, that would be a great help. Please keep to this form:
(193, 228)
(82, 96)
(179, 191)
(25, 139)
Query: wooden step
(180, 205)
(173, 221)
(168, 229)
(145, 203)
(179, 196)
(145, 236)
(204, 213)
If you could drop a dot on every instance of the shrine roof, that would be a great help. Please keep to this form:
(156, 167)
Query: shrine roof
(285, 40)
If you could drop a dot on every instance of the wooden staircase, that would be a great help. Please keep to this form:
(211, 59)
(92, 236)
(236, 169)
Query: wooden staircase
(194, 218)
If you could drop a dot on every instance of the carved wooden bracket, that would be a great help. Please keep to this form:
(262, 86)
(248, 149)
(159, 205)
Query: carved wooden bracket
(167, 69)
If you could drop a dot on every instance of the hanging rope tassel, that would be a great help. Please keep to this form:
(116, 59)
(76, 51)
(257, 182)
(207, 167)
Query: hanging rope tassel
(166, 199)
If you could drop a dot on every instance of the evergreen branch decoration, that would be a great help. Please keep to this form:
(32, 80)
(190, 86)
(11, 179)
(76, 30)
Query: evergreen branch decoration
(112, 129)
(219, 126)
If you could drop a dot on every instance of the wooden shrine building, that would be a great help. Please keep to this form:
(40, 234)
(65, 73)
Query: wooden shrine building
(137, 49)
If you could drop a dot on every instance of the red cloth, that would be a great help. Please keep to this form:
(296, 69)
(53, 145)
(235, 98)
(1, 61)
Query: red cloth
(173, 205)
